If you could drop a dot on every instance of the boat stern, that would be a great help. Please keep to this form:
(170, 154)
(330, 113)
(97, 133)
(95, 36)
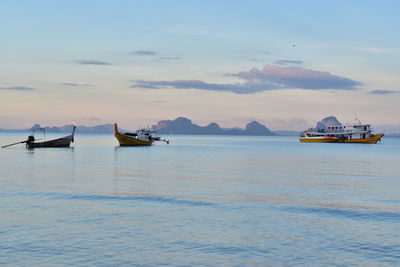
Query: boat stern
(115, 128)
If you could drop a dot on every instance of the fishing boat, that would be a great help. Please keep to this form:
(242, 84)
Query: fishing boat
(142, 137)
(31, 142)
(361, 133)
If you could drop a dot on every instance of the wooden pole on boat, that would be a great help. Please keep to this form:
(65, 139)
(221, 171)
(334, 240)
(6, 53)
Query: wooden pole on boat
(115, 128)
(14, 144)
(73, 133)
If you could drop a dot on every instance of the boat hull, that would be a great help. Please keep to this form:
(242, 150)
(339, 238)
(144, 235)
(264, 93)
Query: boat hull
(370, 140)
(126, 140)
(59, 142)
(317, 140)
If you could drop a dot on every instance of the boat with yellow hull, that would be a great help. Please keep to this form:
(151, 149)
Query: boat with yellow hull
(361, 134)
(370, 140)
(128, 139)
(141, 137)
(318, 139)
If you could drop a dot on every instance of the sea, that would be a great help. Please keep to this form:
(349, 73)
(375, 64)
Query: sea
(200, 201)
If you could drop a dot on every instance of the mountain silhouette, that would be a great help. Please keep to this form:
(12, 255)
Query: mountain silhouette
(183, 125)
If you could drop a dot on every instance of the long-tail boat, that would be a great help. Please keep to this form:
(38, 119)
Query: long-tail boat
(141, 137)
(361, 133)
(31, 142)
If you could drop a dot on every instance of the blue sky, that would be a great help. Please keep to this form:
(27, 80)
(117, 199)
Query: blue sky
(284, 63)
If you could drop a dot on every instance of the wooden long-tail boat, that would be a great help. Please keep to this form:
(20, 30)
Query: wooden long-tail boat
(59, 142)
(139, 138)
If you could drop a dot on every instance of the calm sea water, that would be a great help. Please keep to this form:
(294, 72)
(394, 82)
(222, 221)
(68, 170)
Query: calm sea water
(200, 201)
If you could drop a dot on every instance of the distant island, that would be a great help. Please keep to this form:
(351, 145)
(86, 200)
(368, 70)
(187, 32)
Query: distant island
(184, 125)
(98, 129)
(180, 125)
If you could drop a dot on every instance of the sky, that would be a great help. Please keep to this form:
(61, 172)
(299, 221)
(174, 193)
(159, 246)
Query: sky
(286, 64)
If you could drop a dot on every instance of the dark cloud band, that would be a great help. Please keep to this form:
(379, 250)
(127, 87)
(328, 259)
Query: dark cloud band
(238, 88)
(257, 80)
(289, 62)
(76, 84)
(170, 58)
(383, 92)
(144, 53)
(18, 88)
(93, 62)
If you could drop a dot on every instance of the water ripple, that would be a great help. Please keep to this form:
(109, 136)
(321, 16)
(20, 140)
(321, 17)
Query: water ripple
(348, 214)
(97, 197)
(224, 249)
(387, 253)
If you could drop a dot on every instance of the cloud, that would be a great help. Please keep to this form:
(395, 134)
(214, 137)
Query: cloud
(77, 84)
(257, 80)
(93, 62)
(237, 88)
(383, 92)
(256, 60)
(90, 118)
(144, 53)
(18, 88)
(153, 53)
(288, 62)
(297, 77)
(170, 58)
(379, 50)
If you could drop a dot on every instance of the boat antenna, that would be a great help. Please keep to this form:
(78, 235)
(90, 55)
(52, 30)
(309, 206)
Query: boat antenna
(39, 129)
(357, 120)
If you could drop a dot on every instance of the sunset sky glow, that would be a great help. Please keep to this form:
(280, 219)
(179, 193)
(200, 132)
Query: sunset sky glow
(286, 64)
